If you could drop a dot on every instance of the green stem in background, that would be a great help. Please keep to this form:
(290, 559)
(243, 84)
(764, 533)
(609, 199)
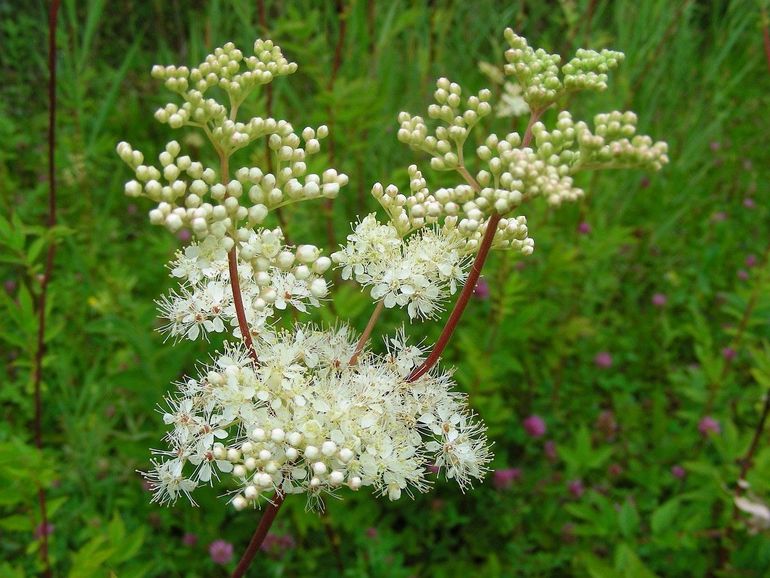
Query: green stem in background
(37, 370)
(336, 64)
(723, 554)
(262, 20)
(737, 340)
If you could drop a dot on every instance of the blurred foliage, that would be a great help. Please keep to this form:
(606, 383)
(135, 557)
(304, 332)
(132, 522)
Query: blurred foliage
(596, 496)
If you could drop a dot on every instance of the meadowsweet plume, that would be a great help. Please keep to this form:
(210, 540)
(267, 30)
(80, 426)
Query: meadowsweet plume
(290, 407)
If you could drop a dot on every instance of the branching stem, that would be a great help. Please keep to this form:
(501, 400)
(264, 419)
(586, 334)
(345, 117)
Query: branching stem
(367, 332)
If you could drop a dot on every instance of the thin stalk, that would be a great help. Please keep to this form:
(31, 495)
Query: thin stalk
(262, 19)
(367, 332)
(259, 535)
(462, 301)
(475, 273)
(336, 64)
(235, 284)
(48, 272)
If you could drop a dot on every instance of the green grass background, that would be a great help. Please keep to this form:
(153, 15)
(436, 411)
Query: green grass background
(696, 74)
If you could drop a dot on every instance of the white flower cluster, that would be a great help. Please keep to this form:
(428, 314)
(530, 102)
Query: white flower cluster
(306, 421)
(613, 143)
(271, 276)
(538, 72)
(417, 273)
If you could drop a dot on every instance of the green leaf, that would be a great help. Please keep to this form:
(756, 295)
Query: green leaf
(631, 566)
(663, 517)
(596, 567)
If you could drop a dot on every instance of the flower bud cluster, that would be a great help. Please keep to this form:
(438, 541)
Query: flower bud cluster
(417, 273)
(588, 69)
(538, 71)
(191, 196)
(517, 174)
(612, 144)
(458, 209)
(306, 421)
(222, 68)
(272, 277)
(445, 145)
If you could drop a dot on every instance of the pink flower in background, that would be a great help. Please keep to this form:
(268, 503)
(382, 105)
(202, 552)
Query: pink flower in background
(184, 235)
(751, 261)
(132, 209)
(10, 285)
(549, 449)
(719, 217)
(371, 533)
(708, 426)
(433, 468)
(615, 470)
(603, 359)
(221, 552)
(481, 291)
(277, 544)
(576, 488)
(678, 472)
(749, 203)
(584, 228)
(504, 479)
(44, 530)
(743, 275)
(659, 300)
(535, 426)
(607, 424)
(189, 539)
(728, 353)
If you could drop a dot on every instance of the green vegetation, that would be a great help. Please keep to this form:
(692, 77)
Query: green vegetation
(637, 332)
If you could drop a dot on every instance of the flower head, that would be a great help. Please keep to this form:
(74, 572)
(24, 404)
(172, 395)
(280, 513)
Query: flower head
(708, 426)
(535, 426)
(221, 552)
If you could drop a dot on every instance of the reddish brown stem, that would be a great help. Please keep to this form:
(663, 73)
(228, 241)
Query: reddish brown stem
(748, 459)
(259, 535)
(462, 301)
(47, 273)
(367, 332)
(240, 313)
(473, 277)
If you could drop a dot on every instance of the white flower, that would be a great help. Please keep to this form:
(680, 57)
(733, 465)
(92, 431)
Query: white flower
(418, 273)
(306, 421)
